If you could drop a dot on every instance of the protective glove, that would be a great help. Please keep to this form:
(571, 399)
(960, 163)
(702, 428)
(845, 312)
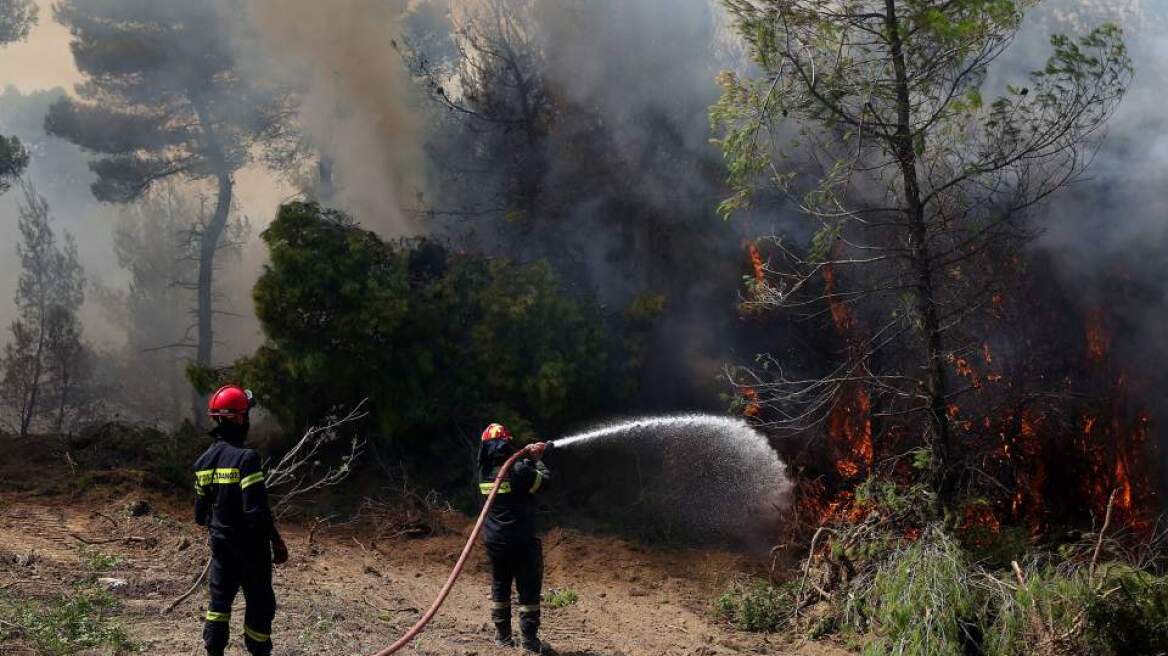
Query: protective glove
(279, 551)
(535, 451)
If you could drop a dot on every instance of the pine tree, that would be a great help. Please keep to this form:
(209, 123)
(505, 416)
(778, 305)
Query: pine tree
(164, 98)
(44, 362)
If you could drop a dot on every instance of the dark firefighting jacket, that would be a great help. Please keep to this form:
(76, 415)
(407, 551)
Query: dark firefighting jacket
(230, 497)
(511, 520)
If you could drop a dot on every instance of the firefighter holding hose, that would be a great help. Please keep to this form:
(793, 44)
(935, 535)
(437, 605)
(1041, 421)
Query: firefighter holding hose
(516, 554)
(232, 502)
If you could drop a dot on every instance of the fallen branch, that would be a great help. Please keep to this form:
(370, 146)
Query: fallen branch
(107, 518)
(194, 586)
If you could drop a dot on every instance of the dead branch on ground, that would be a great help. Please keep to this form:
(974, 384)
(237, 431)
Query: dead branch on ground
(190, 591)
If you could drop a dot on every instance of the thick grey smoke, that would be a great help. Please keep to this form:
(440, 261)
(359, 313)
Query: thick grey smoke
(625, 178)
(354, 108)
(1107, 236)
(1121, 208)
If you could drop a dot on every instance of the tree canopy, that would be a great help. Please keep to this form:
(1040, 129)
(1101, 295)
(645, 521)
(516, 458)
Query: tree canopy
(440, 341)
(163, 94)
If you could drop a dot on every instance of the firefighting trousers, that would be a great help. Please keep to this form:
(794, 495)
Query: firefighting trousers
(234, 566)
(523, 565)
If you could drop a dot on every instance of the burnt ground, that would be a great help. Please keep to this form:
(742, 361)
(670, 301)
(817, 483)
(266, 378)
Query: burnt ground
(345, 591)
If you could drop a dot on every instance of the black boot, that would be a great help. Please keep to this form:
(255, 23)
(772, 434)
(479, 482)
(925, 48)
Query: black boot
(501, 618)
(503, 634)
(533, 645)
(529, 626)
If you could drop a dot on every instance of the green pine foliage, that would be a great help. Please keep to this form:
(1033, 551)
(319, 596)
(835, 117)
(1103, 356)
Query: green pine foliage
(922, 601)
(439, 341)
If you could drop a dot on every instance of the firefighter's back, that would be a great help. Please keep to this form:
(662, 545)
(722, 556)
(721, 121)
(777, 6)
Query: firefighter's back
(220, 478)
(511, 519)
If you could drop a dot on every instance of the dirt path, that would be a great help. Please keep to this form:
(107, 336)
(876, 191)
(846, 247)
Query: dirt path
(346, 594)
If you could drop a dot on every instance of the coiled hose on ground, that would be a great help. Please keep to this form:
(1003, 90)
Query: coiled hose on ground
(442, 594)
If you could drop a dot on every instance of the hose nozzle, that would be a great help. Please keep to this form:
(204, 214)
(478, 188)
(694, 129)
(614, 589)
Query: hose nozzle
(537, 450)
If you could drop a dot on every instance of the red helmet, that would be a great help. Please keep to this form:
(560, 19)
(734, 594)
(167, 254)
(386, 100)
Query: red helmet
(230, 402)
(496, 432)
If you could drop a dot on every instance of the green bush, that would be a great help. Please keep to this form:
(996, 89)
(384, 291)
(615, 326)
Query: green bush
(1131, 611)
(96, 562)
(935, 597)
(922, 600)
(1121, 611)
(66, 625)
(757, 605)
(562, 598)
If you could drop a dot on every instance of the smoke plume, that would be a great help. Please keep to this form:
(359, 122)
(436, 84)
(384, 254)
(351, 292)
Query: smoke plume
(353, 98)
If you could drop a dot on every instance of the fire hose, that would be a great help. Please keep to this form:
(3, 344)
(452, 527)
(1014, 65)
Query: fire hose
(454, 573)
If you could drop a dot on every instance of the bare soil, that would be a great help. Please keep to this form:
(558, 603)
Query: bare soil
(346, 592)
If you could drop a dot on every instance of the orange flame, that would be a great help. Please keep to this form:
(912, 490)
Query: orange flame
(752, 408)
(756, 264)
(841, 314)
(1098, 341)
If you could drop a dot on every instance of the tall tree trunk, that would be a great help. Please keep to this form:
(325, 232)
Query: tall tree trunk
(34, 384)
(64, 396)
(935, 381)
(208, 245)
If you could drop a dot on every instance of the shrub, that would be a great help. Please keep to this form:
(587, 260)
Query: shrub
(1120, 611)
(438, 340)
(922, 600)
(562, 598)
(1131, 612)
(756, 605)
(66, 625)
(96, 562)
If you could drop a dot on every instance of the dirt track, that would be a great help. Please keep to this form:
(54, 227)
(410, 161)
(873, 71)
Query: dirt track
(346, 594)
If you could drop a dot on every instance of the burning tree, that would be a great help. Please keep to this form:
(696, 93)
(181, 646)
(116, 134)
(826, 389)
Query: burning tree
(920, 191)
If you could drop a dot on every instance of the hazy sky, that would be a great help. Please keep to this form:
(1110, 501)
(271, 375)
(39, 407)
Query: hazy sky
(42, 62)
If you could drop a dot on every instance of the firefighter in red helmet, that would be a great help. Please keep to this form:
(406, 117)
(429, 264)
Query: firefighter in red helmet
(232, 502)
(516, 554)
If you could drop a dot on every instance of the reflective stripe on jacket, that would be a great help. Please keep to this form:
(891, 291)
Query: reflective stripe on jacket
(230, 496)
(512, 517)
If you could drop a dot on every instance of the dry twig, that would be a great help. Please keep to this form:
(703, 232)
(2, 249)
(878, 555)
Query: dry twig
(295, 469)
(194, 586)
(1102, 532)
